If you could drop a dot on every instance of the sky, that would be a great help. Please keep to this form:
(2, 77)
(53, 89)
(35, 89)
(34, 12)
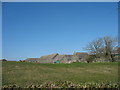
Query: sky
(31, 30)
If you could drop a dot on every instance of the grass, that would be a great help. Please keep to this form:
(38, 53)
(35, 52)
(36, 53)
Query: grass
(23, 73)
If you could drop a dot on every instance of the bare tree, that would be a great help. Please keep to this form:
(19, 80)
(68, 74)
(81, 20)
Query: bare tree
(109, 45)
(95, 47)
(102, 47)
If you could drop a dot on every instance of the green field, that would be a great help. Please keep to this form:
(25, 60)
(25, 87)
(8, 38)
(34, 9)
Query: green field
(23, 73)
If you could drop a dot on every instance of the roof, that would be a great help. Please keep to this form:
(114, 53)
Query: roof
(59, 57)
(52, 56)
(79, 53)
(3, 60)
(32, 59)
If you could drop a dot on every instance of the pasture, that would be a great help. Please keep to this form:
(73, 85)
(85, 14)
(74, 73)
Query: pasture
(24, 73)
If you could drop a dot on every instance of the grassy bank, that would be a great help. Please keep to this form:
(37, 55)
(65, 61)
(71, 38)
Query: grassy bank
(23, 73)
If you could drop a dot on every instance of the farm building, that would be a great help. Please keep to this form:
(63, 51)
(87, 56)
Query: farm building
(3, 60)
(57, 58)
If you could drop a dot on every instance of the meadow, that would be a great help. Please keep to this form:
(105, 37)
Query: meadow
(24, 73)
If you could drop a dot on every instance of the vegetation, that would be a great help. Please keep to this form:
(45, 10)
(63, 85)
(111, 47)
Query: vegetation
(69, 84)
(25, 74)
(104, 48)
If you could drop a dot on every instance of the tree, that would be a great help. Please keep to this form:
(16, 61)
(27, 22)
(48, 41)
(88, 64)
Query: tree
(102, 47)
(95, 47)
(109, 46)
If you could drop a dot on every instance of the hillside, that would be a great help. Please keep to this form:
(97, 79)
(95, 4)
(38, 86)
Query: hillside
(23, 73)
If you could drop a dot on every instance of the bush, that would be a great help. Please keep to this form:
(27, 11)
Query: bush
(90, 58)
